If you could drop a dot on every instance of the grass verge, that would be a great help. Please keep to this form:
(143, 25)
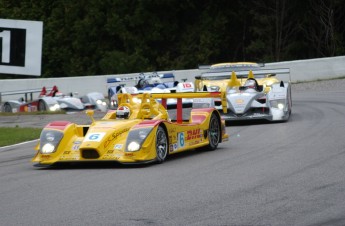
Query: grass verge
(14, 135)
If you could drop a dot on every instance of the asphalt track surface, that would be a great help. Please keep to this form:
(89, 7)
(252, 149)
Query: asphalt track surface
(267, 174)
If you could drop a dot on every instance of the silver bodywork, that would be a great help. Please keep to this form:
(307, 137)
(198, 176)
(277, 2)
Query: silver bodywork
(269, 98)
(42, 104)
(57, 103)
(94, 100)
(69, 103)
(249, 104)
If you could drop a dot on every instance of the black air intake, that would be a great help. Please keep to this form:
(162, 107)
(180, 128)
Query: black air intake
(89, 154)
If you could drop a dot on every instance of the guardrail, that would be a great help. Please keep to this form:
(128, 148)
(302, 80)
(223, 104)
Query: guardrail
(300, 70)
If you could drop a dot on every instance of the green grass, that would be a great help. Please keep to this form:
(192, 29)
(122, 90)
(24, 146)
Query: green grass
(14, 135)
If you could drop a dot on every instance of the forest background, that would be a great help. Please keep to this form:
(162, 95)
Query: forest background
(92, 37)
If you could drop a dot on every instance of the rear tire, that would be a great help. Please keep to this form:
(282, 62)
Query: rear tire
(213, 133)
(42, 106)
(162, 145)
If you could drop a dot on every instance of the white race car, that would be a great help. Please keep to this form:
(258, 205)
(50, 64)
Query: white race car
(149, 83)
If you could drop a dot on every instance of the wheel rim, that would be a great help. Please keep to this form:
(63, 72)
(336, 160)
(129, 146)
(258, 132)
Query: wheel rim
(214, 131)
(161, 144)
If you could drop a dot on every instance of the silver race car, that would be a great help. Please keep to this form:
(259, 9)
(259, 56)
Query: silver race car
(53, 100)
(251, 93)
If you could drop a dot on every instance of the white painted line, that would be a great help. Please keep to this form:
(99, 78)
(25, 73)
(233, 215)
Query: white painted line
(14, 145)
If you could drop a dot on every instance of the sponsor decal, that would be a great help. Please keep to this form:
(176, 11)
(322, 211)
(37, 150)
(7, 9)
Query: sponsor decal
(77, 142)
(75, 147)
(194, 142)
(114, 136)
(173, 147)
(96, 137)
(187, 85)
(172, 130)
(194, 134)
(45, 157)
(239, 101)
(118, 155)
(118, 146)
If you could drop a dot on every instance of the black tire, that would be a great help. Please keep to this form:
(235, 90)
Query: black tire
(213, 133)
(162, 145)
(42, 106)
(7, 107)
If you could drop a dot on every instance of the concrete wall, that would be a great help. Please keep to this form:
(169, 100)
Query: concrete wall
(300, 70)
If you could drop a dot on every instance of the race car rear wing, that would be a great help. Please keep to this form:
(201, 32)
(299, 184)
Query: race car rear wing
(28, 94)
(141, 76)
(179, 96)
(260, 73)
(238, 66)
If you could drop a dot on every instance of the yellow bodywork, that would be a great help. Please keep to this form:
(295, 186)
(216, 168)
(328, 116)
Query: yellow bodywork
(106, 139)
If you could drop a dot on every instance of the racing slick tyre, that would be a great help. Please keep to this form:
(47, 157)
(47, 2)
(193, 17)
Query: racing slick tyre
(7, 107)
(214, 133)
(42, 106)
(161, 144)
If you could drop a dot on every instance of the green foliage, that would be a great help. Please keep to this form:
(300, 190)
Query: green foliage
(91, 37)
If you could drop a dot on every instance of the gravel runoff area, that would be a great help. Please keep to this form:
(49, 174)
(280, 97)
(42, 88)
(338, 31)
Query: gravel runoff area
(39, 121)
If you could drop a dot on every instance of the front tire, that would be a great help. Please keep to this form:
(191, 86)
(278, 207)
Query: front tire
(7, 108)
(214, 133)
(162, 145)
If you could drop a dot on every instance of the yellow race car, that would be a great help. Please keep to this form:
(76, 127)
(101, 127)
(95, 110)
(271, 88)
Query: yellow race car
(139, 131)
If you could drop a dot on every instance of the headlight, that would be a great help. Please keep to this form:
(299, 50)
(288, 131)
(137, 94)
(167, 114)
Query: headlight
(47, 148)
(55, 107)
(49, 140)
(280, 104)
(113, 103)
(133, 146)
(136, 138)
(100, 102)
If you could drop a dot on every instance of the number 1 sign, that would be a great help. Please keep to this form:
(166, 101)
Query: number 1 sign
(20, 47)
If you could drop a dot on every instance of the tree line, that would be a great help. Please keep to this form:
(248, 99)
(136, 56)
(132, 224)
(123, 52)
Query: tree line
(92, 37)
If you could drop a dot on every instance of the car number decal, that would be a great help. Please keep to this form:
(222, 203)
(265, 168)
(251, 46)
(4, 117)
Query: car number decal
(180, 138)
(94, 137)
